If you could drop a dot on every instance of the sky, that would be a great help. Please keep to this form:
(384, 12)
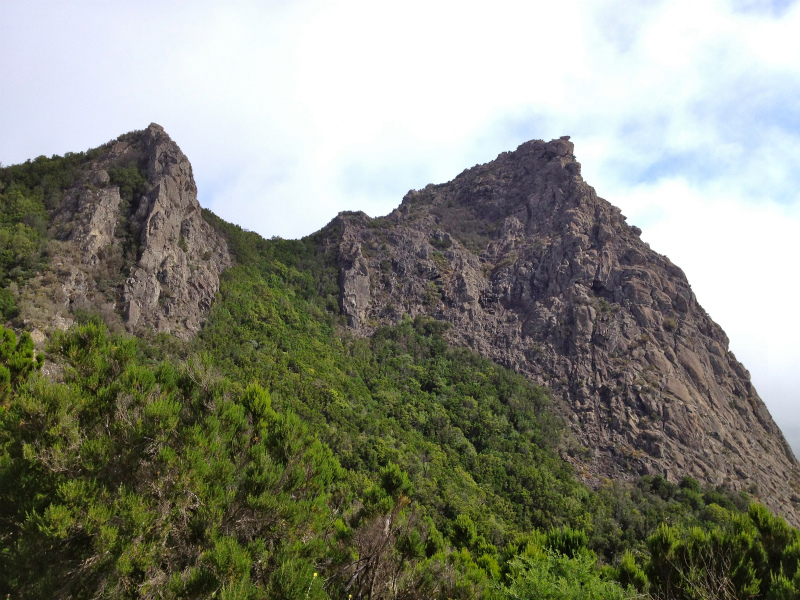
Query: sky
(685, 113)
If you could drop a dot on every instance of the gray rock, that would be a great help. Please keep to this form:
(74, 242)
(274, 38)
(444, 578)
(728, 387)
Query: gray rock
(177, 274)
(150, 266)
(546, 277)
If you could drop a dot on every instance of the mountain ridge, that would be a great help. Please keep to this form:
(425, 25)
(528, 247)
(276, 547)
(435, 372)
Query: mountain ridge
(538, 273)
(531, 268)
(303, 424)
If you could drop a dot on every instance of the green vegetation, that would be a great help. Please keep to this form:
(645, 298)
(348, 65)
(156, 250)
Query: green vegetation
(277, 457)
(23, 236)
(43, 179)
(129, 479)
(29, 194)
(131, 180)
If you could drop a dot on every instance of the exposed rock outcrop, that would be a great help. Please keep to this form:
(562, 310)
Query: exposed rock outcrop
(174, 281)
(148, 262)
(537, 272)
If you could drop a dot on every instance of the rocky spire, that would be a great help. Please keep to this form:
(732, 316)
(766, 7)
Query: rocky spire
(177, 274)
(146, 262)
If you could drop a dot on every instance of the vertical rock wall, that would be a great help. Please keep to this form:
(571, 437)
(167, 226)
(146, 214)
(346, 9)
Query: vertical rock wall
(177, 274)
(152, 264)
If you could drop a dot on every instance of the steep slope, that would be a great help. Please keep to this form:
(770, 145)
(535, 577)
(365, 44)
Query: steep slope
(129, 242)
(213, 466)
(537, 272)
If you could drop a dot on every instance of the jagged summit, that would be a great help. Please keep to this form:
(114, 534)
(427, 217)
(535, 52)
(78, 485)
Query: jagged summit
(537, 272)
(177, 273)
(130, 242)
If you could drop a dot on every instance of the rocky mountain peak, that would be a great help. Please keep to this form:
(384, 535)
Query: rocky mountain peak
(176, 276)
(130, 243)
(538, 273)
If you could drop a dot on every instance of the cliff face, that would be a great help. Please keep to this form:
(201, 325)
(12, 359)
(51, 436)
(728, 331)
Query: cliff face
(144, 259)
(177, 274)
(536, 272)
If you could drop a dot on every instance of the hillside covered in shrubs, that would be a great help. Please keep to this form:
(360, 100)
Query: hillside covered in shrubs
(275, 455)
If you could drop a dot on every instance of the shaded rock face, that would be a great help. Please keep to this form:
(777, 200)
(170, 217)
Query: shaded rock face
(536, 272)
(149, 264)
(177, 275)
